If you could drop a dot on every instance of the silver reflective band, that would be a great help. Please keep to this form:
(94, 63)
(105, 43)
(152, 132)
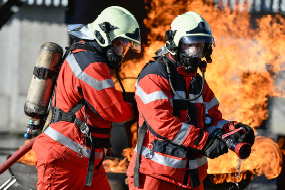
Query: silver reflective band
(198, 100)
(57, 136)
(147, 98)
(182, 134)
(97, 84)
(174, 163)
(181, 94)
(211, 104)
(219, 125)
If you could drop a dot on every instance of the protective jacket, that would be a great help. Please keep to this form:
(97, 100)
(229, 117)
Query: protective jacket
(85, 104)
(85, 88)
(175, 129)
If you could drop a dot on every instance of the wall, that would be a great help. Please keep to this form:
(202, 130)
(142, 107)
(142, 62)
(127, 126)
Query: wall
(20, 41)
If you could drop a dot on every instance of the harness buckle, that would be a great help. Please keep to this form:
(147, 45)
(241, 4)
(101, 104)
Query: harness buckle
(84, 128)
(56, 115)
(150, 153)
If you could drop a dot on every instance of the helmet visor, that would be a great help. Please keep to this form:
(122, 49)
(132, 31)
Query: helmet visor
(193, 50)
(196, 39)
(135, 39)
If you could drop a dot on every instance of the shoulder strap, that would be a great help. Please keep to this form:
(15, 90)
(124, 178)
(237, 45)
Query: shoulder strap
(77, 45)
(155, 133)
(141, 135)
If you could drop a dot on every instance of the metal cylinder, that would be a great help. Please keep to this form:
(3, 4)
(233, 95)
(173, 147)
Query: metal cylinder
(44, 77)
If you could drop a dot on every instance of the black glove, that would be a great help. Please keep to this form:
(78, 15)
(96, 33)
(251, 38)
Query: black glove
(248, 134)
(214, 147)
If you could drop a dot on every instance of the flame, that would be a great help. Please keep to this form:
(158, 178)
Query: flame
(231, 177)
(117, 165)
(265, 159)
(245, 60)
(134, 134)
(239, 74)
(29, 158)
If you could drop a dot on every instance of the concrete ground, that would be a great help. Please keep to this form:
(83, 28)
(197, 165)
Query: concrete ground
(9, 143)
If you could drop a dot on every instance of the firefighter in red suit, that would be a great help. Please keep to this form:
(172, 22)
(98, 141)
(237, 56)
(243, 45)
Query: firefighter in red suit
(179, 117)
(85, 103)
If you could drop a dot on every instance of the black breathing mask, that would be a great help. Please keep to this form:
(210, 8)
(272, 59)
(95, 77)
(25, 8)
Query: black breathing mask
(114, 60)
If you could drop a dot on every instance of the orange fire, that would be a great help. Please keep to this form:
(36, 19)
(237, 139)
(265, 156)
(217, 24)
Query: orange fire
(245, 58)
(239, 76)
(29, 158)
(265, 159)
(117, 165)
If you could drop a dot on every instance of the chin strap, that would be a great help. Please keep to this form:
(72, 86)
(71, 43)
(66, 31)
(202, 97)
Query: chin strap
(120, 82)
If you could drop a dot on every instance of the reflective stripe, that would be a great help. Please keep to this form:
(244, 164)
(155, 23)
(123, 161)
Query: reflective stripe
(57, 136)
(147, 98)
(97, 84)
(211, 104)
(193, 164)
(182, 134)
(219, 125)
(172, 162)
(181, 94)
(198, 100)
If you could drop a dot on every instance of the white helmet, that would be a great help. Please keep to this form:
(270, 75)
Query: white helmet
(189, 27)
(113, 22)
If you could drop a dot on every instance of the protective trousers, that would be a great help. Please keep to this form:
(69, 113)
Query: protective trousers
(148, 182)
(60, 168)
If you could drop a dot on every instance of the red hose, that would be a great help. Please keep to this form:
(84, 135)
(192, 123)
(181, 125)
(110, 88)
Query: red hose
(16, 156)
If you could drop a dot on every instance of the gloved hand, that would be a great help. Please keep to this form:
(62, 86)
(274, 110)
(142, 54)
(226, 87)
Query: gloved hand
(246, 135)
(214, 147)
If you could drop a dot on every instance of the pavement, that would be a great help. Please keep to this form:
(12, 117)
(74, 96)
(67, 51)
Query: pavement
(9, 143)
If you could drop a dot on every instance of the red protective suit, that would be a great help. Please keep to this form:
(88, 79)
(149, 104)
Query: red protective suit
(181, 123)
(61, 150)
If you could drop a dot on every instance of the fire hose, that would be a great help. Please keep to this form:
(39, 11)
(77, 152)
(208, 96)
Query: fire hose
(16, 156)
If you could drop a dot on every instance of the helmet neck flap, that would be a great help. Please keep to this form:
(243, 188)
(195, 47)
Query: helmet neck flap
(113, 22)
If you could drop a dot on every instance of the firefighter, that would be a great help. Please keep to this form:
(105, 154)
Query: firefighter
(179, 119)
(85, 103)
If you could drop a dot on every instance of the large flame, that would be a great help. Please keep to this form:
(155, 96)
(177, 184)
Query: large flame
(29, 158)
(265, 159)
(238, 74)
(246, 57)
